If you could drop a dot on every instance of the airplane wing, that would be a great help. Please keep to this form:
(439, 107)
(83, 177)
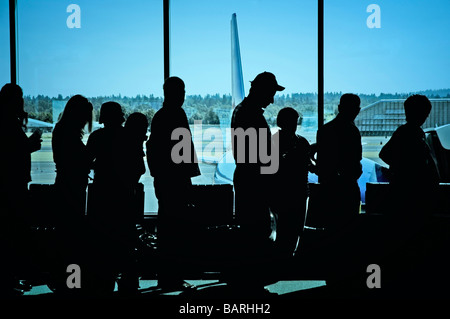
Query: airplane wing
(443, 133)
(33, 123)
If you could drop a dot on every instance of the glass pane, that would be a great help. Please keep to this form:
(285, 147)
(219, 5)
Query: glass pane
(104, 51)
(384, 53)
(274, 36)
(5, 73)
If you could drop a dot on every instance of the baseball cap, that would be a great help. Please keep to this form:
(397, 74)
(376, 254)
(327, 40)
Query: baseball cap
(266, 80)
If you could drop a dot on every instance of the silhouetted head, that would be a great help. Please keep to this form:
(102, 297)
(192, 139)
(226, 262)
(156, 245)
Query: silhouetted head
(263, 88)
(287, 120)
(174, 91)
(137, 126)
(77, 114)
(349, 106)
(11, 102)
(417, 109)
(111, 114)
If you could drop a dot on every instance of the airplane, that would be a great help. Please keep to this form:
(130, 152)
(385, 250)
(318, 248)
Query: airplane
(372, 171)
(439, 141)
(33, 124)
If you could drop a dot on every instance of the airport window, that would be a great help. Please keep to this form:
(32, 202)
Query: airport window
(385, 52)
(106, 52)
(4, 43)
(115, 52)
(279, 37)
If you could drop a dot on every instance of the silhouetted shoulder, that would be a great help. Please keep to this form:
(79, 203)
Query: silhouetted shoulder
(326, 130)
(393, 149)
(96, 133)
(400, 132)
(241, 115)
(302, 141)
(158, 114)
(95, 136)
(329, 125)
(410, 131)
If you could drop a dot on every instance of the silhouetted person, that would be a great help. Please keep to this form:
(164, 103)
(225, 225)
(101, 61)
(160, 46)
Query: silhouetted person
(109, 200)
(136, 128)
(290, 186)
(15, 176)
(71, 157)
(413, 172)
(414, 176)
(339, 155)
(72, 168)
(172, 181)
(252, 187)
(414, 181)
(104, 144)
(106, 150)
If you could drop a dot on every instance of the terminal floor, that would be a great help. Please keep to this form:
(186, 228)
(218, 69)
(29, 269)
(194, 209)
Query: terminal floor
(149, 288)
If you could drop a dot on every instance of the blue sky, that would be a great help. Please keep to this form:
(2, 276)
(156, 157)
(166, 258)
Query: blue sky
(118, 49)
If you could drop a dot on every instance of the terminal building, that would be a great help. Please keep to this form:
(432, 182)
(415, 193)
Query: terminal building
(383, 117)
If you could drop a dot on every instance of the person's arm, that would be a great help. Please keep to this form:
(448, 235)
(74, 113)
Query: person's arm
(35, 141)
(91, 147)
(309, 157)
(350, 165)
(326, 155)
(388, 151)
(193, 169)
(152, 145)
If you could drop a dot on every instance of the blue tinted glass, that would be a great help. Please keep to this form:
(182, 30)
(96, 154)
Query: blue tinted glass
(106, 51)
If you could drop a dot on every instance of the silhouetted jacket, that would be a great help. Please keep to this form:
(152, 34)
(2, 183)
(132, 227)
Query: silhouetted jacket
(70, 156)
(160, 145)
(339, 151)
(106, 148)
(16, 160)
(295, 162)
(134, 159)
(249, 116)
(409, 157)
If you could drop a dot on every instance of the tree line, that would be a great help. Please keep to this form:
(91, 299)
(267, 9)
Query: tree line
(207, 108)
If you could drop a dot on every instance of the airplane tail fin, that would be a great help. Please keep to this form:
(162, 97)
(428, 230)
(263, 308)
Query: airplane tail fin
(237, 81)
(237, 84)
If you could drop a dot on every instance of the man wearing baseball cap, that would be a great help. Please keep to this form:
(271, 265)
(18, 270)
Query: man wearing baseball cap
(251, 186)
(266, 80)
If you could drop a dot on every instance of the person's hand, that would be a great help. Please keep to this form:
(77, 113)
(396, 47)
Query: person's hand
(35, 141)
